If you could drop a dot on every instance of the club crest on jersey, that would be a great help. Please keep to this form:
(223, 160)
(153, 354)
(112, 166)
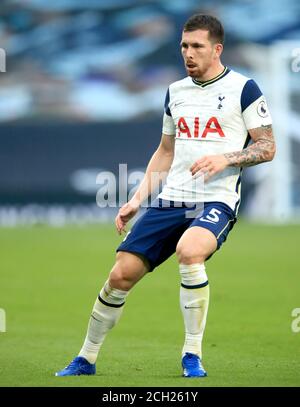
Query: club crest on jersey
(212, 126)
(221, 98)
(262, 109)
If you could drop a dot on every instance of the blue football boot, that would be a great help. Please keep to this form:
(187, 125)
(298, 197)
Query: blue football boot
(192, 366)
(78, 366)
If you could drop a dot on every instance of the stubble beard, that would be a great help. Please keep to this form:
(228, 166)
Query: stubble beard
(198, 72)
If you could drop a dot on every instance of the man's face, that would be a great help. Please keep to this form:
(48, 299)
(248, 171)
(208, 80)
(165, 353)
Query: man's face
(198, 52)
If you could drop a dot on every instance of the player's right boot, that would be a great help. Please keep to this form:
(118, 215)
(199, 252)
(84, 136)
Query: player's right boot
(78, 366)
(192, 366)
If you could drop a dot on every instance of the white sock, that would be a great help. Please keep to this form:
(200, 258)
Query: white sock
(106, 313)
(194, 299)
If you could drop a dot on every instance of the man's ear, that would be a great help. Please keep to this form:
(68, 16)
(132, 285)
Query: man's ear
(218, 50)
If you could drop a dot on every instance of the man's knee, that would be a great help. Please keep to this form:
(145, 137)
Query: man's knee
(191, 255)
(195, 245)
(127, 270)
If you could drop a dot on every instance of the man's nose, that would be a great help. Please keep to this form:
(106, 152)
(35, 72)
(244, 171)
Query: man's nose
(189, 53)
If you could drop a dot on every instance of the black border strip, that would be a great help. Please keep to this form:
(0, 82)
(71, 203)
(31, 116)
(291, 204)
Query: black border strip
(195, 286)
(110, 305)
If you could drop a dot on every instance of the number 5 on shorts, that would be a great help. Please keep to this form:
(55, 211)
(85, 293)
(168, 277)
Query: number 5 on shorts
(212, 216)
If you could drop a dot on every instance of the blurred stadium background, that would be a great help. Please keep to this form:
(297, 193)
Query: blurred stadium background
(82, 91)
(84, 86)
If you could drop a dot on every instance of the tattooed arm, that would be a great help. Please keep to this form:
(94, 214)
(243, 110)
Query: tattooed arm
(262, 150)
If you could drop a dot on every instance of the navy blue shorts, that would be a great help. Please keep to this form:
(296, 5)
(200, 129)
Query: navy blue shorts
(156, 233)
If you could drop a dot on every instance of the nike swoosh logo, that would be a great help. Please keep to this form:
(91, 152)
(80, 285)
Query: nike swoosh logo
(178, 103)
(98, 320)
(191, 307)
(206, 220)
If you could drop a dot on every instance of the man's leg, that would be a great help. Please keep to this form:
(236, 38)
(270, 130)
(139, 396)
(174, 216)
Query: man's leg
(127, 271)
(194, 247)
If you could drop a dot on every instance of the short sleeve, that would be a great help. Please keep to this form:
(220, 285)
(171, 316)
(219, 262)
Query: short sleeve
(167, 101)
(254, 106)
(168, 125)
(168, 122)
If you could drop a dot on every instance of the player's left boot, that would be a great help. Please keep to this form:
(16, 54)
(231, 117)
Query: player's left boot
(192, 366)
(78, 366)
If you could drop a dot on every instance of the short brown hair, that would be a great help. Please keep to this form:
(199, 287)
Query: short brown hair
(206, 22)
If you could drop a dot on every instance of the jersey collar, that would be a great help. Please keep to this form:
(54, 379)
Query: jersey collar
(213, 80)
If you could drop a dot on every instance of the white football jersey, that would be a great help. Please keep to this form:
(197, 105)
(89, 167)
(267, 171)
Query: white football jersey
(208, 118)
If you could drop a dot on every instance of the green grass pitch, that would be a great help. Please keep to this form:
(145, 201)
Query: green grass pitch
(50, 278)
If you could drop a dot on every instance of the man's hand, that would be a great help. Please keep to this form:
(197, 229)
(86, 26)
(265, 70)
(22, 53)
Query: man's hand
(126, 213)
(209, 165)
